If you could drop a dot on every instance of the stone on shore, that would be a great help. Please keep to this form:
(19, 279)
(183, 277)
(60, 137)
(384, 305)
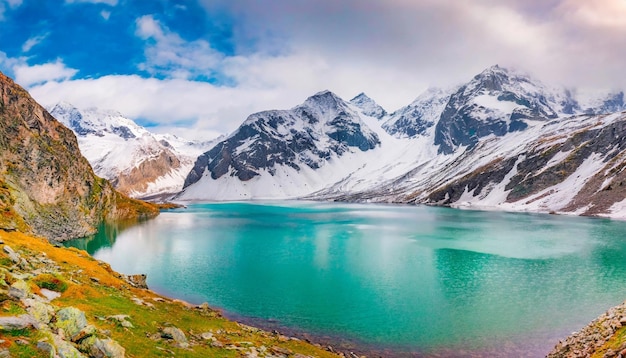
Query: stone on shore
(175, 334)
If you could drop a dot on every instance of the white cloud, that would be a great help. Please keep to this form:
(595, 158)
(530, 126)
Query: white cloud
(12, 5)
(576, 42)
(392, 50)
(32, 42)
(168, 54)
(108, 2)
(105, 14)
(27, 75)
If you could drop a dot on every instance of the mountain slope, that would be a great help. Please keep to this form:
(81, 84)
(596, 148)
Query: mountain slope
(368, 106)
(138, 163)
(47, 186)
(419, 116)
(283, 153)
(571, 165)
(501, 141)
(498, 101)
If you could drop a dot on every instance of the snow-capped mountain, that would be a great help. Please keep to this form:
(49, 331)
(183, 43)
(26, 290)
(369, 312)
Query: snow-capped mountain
(368, 106)
(420, 116)
(283, 152)
(136, 161)
(572, 165)
(498, 101)
(503, 140)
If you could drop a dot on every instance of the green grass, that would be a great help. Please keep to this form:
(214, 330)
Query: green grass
(51, 282)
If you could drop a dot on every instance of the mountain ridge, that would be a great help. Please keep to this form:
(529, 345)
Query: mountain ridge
(459, 147)
(137, 162)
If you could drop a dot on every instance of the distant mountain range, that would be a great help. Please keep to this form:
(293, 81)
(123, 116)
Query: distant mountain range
(137, 162)
(501, 141)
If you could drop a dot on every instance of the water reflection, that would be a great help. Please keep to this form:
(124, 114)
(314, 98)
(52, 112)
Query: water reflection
(419, 278)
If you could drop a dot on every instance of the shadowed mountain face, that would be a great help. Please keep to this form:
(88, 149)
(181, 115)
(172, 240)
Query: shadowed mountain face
(495, 102)
(323, 127)
(47, 186)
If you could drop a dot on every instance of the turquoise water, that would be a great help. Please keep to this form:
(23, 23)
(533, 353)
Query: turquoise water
(405, 278)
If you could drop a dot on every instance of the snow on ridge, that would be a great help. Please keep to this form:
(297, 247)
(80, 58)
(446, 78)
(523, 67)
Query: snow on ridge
(115, 145)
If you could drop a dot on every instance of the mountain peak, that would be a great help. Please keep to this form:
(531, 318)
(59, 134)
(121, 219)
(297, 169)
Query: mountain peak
(368, 106)
(96, 121)
(324, 98)
(361, 97)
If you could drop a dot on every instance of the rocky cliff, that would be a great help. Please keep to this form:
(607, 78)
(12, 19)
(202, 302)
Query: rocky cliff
(46, 186)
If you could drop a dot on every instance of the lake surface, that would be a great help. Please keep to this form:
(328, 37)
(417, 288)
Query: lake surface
(401, 279)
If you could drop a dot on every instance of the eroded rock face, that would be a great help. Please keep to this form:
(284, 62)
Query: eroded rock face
(47, 186)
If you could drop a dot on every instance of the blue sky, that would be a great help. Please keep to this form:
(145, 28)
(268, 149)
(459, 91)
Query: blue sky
(197, 68)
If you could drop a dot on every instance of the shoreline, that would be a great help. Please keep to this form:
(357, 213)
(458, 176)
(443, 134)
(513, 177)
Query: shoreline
(530, 346)
(525, 347)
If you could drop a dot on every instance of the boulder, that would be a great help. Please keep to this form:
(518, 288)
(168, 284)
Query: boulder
(13, 323)
(122, 319)
(175, 334)
(38, 310)
(73, 322)
(19, 290)
(138, 281)
(47, 347)
(14, 256)
(66, 349)
(106, 348)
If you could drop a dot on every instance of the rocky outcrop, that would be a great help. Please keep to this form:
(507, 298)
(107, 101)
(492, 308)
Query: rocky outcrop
(138, 179)
(63, 332)
(46, 186)
(595, 338)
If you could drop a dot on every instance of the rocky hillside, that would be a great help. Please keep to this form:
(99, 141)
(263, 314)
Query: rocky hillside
(137, 162)
(46, 186)
(58, 302)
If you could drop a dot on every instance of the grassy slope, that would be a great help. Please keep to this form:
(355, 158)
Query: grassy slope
(98, 291)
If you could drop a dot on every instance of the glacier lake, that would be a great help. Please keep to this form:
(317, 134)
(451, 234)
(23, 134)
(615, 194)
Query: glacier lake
(382, 279)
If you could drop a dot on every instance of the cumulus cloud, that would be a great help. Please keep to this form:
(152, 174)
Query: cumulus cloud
(168, 54)
(570, 41)
(392, 50)
(27, 75)
(163, 101)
